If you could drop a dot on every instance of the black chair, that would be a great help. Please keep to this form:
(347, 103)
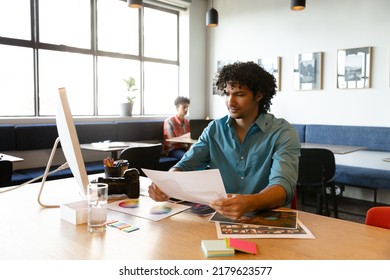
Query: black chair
(5, 172)
(142, 157)
(316, 173)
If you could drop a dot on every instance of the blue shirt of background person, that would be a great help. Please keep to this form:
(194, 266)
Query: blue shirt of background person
(257, 154)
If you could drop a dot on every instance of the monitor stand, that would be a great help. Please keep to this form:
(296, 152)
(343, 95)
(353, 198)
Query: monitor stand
(44, 176)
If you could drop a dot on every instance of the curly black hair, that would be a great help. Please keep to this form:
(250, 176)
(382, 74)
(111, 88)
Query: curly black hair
(181, 100)
(253, 76)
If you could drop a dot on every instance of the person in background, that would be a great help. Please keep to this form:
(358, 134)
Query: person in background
(176, 126)
(257, 154)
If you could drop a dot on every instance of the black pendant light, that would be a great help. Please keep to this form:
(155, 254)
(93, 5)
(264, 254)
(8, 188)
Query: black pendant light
(212, 17)
(135, 3)
(298, 5)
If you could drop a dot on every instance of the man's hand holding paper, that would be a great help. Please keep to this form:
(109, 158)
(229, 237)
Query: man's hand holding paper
(196, 186)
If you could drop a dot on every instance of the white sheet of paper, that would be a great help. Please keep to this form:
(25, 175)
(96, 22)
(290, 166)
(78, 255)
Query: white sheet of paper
(195, 186)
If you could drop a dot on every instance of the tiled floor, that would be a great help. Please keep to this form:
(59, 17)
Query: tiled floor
(349, 209)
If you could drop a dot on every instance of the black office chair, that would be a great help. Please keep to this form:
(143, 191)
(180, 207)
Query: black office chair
(316, 173)
(5, 172)
(142, 157)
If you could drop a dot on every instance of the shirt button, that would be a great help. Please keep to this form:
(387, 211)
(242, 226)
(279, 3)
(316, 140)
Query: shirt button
(242, 158)
(242, 178)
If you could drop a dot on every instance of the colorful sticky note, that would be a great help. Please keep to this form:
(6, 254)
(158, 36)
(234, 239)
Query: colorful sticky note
(216, 248)
(242, 245)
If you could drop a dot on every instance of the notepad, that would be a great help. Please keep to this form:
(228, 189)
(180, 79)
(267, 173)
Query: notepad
(216, 248)
(242, 245)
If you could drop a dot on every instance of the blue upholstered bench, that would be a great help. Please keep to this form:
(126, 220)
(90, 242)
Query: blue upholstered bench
(25, 137)
(372, 138)
(367, 178)
(42, 136)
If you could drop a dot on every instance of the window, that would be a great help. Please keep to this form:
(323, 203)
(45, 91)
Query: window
(88, 47)
(161, 88)
(112, 88)
(161, 38)
(15, 20)
(73, 71)
(16, 81)
(117, 27)
(65, 22)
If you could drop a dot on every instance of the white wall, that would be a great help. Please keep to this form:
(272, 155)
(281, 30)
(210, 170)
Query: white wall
(197, 60)
(251, 29)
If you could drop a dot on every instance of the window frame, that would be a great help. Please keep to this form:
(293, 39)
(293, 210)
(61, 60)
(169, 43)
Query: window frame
(36, 45)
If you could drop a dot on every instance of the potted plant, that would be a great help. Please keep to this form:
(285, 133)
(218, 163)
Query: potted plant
(127, 105)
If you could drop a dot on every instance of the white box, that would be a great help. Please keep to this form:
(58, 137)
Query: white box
(75, 212)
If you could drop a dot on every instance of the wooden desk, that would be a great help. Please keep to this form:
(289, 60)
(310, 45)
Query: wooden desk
(185, 138)
(10, 158)
(113, 147)
(31, 232)
(336, 149)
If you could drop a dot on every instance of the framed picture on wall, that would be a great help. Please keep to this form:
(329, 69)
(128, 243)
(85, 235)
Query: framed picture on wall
(308, 71)
(272, 65)
(220, 64)
(354, 68)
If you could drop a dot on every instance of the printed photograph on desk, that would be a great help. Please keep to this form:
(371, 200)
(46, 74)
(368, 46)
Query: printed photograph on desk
(145, 207)
(228, 230)
(270, 218)
(198, 209)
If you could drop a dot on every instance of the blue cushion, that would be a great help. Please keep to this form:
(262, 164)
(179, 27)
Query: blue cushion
(373, 138)
(35, 136)
(362, 177)
(166, 163)
(95, 132)
(24, 175)
(301, 131)
(140, 130)
(7, 138)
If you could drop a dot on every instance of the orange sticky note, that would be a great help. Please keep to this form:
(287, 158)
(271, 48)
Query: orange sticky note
(242, 245)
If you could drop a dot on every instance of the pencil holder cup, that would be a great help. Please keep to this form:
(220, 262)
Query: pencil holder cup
(124, 165)
(113, 171)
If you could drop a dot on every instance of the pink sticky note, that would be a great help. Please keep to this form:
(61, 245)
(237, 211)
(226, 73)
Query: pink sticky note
(242, 245)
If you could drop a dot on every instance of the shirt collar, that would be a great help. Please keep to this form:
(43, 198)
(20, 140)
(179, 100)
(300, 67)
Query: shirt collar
(261, 122)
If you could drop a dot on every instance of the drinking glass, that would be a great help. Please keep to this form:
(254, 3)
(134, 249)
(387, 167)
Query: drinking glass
(97, 207)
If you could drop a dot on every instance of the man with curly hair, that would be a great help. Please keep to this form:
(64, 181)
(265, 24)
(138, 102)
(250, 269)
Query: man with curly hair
(257, 154)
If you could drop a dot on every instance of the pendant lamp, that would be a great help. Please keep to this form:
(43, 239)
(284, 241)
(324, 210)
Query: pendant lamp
(298, 5)
(212, 17)
(135, 3)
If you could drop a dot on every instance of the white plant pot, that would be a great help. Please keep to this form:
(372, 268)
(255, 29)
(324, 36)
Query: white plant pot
(126, 109)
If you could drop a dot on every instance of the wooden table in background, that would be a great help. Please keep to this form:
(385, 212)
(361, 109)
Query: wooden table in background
(10, 158)
(113, 147)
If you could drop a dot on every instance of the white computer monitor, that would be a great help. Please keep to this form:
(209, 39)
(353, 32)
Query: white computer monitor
(69, 141)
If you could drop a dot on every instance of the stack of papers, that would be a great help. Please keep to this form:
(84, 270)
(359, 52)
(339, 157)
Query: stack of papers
(195, 186)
